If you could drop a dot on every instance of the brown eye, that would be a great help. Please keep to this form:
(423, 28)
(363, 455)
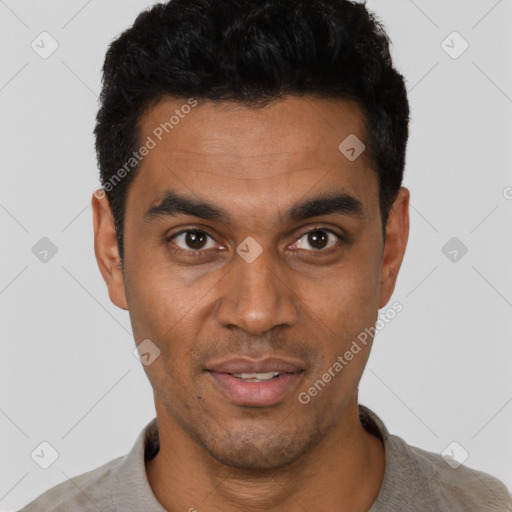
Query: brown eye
(193, 239)
(318, 240)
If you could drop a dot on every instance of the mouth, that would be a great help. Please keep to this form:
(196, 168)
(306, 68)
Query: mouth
(256, 383)
(257, 377)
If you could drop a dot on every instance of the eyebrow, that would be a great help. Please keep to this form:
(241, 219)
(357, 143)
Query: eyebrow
(172, 204)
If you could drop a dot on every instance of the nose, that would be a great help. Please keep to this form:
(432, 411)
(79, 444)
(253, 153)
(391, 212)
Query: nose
(258, 296)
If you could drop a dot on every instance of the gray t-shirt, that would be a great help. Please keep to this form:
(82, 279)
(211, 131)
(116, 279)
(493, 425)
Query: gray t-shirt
(414, 480)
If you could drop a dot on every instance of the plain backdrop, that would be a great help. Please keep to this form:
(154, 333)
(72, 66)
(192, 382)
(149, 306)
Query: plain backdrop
(439, 372)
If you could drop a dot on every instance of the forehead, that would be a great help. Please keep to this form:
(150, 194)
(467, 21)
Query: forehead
(227, 149)
(296, 123)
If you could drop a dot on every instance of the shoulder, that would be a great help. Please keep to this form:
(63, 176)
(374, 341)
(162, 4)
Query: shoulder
(416, 479)
(457, 488)
(91, 491)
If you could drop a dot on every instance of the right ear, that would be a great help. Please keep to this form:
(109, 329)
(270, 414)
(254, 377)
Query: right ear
(106, 249)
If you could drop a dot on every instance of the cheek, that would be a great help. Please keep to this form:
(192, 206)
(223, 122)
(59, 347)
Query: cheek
(344, 314)
(168, 309)
(162, 313)
(347, 299)
(158, 292)
(344, 306)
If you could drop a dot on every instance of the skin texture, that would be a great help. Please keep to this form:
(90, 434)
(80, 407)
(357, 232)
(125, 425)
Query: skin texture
(297, 300)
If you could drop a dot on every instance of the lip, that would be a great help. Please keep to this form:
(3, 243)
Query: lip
(256, 394)
(244, 365)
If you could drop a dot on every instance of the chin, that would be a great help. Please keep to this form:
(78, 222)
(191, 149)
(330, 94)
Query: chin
(259, 452)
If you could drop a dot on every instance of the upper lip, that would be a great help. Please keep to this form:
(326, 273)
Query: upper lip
(243, 365)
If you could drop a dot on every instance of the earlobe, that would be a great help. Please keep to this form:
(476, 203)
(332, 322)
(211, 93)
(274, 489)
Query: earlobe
(107, 251)
(397, 234)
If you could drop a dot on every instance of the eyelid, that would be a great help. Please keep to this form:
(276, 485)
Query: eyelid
(305, 230)
(324, 227)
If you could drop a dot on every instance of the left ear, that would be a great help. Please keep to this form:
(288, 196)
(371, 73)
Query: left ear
(397, 234)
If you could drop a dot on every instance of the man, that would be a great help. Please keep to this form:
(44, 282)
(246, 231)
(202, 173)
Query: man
(253, 223)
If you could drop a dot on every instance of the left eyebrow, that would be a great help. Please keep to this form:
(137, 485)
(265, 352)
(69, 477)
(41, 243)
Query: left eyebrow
(338, 204)
(172, 204)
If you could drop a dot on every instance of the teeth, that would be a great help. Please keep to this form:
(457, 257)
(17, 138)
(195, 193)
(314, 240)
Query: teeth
(256, 377)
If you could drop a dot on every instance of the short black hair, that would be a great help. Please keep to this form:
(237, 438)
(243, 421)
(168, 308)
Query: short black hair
(251, 52)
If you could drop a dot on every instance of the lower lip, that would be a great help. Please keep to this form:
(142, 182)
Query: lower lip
(256, 394)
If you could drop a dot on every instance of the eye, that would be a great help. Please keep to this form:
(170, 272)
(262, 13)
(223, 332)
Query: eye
(192, 240)
(317, 240)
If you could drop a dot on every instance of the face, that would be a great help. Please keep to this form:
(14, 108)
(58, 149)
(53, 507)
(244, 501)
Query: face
(253, 245)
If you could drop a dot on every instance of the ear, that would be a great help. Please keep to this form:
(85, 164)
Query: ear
(107, 250)
(397, 234)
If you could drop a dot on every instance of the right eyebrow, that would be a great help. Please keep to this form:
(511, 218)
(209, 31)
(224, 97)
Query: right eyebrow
(171, 204)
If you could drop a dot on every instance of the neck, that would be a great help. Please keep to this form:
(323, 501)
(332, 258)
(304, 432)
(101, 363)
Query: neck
(343, 472)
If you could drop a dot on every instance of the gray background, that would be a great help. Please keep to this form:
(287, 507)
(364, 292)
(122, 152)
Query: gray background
(439, 372)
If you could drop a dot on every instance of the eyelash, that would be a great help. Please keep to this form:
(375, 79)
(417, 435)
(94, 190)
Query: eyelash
(205, 252)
